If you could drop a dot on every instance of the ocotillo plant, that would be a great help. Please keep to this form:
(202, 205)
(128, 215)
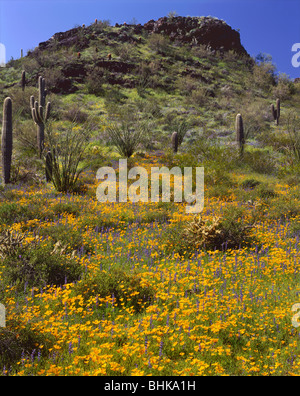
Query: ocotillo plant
(276, 112)
(23, 80)
(240, 138)
(174, 140)
(6, 140)
(39, 115)
(49, 167)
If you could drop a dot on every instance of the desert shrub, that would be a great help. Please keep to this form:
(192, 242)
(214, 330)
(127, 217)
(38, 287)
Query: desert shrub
(10, 242)
(94, 81)
(75, 115)
(199, 97)
(25, 133)
(187, 85)
(284, 208)
(72, 239)
(294, 229)
(37, 266)
(114, 96)
(67, 207)
(293, 146)
(159, 43)
(19, 341)
(20, 100)
(229, 231)
(30, 65)
(11, 212)
(250, 183)
(264, 191)
(56, 81)
(67, 151)
(127, 132)
(263, 76)
(284, 87)
(123, 287)
(260, 161)
(125, 52)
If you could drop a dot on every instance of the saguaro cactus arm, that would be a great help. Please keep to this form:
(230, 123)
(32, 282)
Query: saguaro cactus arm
(48, 109)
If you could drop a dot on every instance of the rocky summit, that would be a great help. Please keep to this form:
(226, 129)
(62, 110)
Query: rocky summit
(211, 32)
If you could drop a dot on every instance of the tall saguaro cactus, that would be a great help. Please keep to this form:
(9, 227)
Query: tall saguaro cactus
(276, 112)
(6, 140)
(240, 137)
(39, 115)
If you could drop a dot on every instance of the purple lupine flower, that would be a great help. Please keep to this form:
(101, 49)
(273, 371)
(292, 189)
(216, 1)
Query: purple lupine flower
(70, 349)
(160, 348)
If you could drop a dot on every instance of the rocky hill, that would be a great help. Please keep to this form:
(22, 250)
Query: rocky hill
(175, 68)
(211, 32)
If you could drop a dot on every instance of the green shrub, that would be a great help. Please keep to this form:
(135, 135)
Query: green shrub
(260, 161)
(67, 207)
(230, 231)
(127, 133)
(250, 183)
(70, 237)
(124, 287)
(284, 208)
(37, 266)
(13, 213)
(94, 81)
(265, 192)
(20, 342)
(294, 230)
(67, 150)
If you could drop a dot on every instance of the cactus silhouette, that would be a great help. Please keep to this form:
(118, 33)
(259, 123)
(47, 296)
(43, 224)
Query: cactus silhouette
(6, 140)
(40, 116)
(276, 112)
(174, 140)
(239, 128)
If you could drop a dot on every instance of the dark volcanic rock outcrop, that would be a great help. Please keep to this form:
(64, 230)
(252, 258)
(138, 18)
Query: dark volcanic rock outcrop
(211, 32)
(208, 31)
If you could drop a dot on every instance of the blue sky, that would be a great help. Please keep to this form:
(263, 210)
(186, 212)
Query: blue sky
(268, 26)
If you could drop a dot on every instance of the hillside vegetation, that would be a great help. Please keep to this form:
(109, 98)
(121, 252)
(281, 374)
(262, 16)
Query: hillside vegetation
(117, 288)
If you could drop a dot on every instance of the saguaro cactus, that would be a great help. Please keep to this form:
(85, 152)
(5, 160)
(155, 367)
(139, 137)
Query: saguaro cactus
(40, 116)
(23, 80)
(6, 140)
(174, 140)
(240, 138)
(276, 112)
